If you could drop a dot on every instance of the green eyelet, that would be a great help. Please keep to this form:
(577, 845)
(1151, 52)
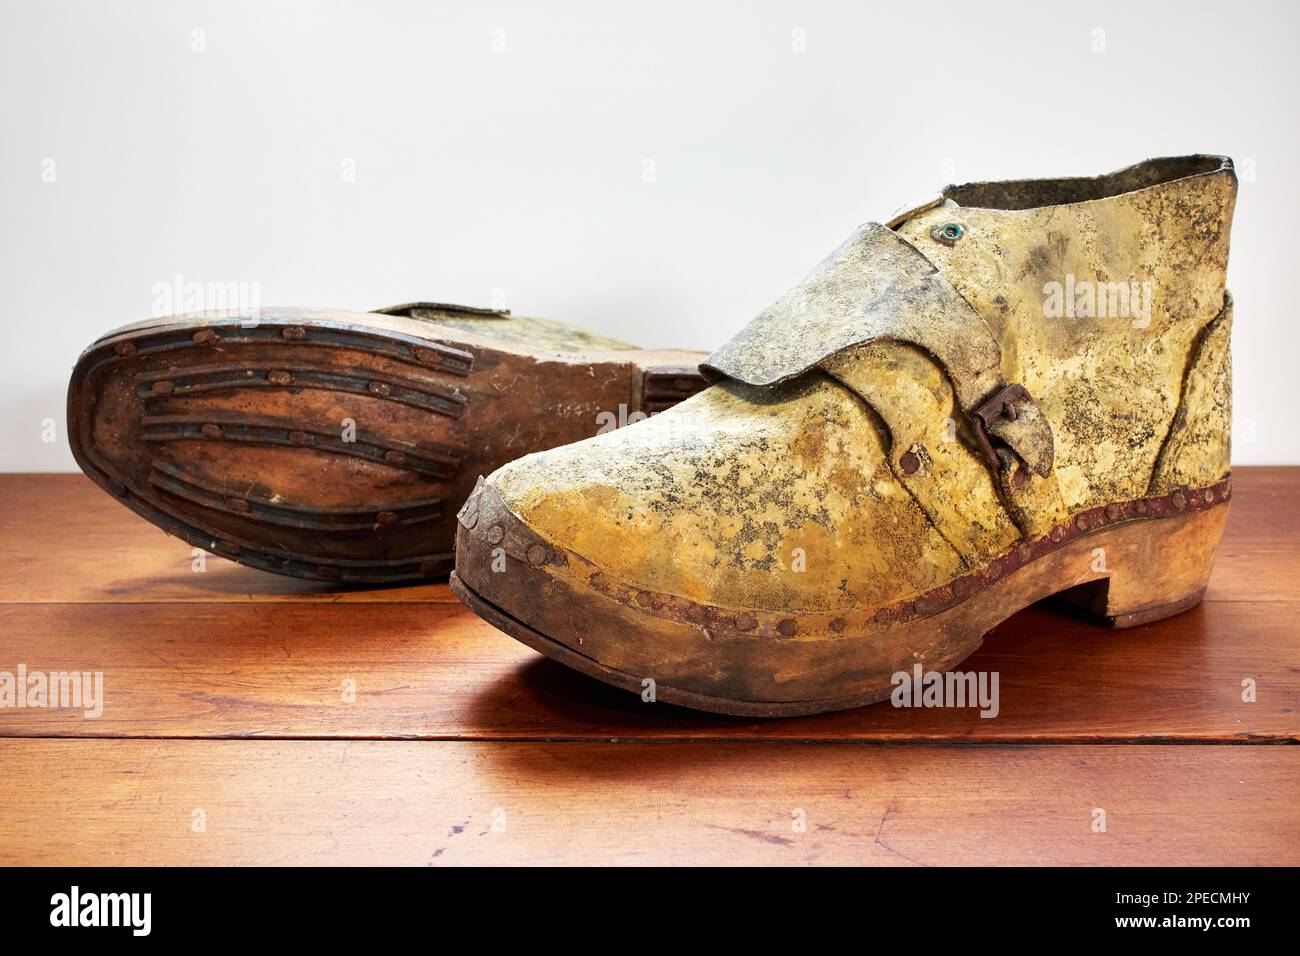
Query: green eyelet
(948, 233)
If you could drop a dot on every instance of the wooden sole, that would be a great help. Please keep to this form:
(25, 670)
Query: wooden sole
(1151, 562)
(334, 446)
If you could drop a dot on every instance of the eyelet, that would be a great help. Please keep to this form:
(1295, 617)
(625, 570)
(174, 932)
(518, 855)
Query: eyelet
(948, 233)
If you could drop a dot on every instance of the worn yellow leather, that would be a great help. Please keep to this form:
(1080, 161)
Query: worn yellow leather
(916, 405)
(874, 286)
(523, 331)
(743, 497)
(1199, 447)
(877, 287)
(844, 439)
(1109, 384)
(1035, 504)
(533, 334)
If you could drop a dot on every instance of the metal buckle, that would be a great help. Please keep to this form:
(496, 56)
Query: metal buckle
(1001, 404)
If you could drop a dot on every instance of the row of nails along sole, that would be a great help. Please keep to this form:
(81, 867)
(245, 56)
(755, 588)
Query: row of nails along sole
(1157, 555)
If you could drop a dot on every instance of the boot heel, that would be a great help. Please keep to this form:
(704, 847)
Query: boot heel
(1154, 569)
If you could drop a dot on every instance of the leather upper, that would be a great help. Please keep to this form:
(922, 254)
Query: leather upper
(877, 286)
(914, 405)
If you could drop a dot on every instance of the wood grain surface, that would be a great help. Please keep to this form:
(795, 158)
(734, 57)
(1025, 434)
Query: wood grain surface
(436, 671)
(452, 720)
(391, 802)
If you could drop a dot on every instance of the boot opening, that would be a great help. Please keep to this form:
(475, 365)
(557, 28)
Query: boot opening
(1031, 193)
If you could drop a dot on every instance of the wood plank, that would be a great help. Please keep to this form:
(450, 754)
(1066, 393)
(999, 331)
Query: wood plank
(81, 803)
(1259, 556)
(436, 671)
(68, 541)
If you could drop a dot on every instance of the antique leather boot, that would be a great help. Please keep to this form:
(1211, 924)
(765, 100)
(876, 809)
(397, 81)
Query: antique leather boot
(1009, 391)
(338, 445)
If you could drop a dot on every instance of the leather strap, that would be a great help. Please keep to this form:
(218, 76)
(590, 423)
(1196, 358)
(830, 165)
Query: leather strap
(877, 285)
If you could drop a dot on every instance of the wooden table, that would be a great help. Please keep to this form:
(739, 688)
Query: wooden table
(228, 733)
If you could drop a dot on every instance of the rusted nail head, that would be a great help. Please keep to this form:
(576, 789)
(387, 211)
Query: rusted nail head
(469, 516)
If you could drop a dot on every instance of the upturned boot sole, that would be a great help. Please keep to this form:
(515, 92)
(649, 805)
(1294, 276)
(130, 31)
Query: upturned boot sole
(336, 446)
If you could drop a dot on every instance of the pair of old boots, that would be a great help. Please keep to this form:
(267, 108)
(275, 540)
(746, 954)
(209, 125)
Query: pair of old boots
(949, 418)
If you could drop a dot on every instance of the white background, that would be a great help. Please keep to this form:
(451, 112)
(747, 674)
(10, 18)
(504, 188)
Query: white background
(522, 170)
